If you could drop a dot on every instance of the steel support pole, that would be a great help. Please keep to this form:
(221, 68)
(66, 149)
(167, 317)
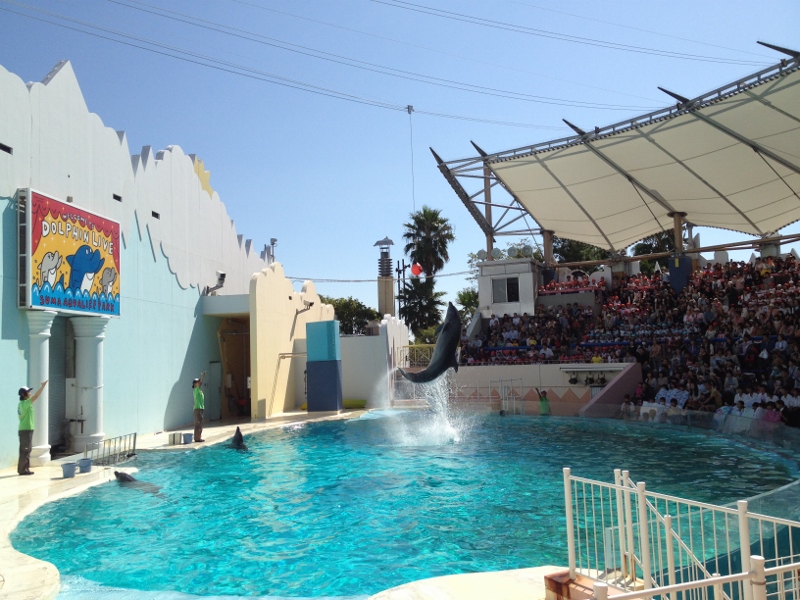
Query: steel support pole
(677, 229)
(547, 242)
(487, 195)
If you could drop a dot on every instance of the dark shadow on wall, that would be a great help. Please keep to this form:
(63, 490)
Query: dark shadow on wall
(203, 348)
(12, 320)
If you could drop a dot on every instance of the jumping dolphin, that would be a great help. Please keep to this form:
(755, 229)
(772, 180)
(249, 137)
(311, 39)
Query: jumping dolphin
(85, 264)
(238, 440)
(130, 481)
(444, 354)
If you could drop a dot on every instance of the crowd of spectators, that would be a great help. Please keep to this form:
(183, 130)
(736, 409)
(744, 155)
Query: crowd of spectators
(573, 283)
(728, 342)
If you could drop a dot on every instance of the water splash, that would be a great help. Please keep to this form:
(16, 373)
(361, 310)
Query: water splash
(443, 422)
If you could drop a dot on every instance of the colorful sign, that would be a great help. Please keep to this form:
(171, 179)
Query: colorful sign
(73, 258)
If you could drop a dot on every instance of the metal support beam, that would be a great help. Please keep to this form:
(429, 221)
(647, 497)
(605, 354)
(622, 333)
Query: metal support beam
(576, 201)
(735, 135)
(463, 195)
(547, 243)
(658, 198)
(487, 194)
(677, 230)
(697, 176)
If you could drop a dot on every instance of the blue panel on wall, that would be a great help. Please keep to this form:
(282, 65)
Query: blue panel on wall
(322, 341)
(324, 385)
(680, 270)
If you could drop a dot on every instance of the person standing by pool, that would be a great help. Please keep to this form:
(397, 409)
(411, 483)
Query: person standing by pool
(199, 406)
(544, 402)
(25, 413)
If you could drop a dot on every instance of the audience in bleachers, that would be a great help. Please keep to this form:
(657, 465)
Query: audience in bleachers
(728, 344)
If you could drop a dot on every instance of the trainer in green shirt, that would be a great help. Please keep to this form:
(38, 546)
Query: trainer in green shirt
(25, 413)
(199, 406)
(199, 398)
(544, 402)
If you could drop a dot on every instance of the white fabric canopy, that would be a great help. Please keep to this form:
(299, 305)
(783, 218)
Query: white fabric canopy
(730, 159)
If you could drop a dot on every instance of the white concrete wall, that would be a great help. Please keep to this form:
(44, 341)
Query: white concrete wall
(161, 340)
(277, 325)
(524, 269)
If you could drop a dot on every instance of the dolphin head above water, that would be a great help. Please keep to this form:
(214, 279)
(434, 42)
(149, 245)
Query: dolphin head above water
(444, 354)
(238, 440)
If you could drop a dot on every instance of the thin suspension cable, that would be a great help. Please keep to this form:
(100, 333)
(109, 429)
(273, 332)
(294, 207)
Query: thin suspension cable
(410, 6)
(650, 31)
(411, 145)
(404, 277)
(200, 59)
(237, 69)
(442, 52)
(360, 64)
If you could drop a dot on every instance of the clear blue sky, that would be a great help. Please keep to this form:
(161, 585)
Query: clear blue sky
(329, 177)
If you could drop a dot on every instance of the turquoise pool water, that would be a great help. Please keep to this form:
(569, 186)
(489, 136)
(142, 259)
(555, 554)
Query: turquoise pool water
(349, 508)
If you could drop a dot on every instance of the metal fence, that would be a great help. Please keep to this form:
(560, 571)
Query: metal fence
(633, 539)
(112, 450)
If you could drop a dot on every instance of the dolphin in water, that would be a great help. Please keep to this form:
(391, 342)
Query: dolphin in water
(85, 264)
(238, 440)
(444, 354)
(130, 481)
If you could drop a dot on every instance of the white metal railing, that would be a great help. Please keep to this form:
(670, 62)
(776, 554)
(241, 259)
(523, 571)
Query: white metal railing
(776, 583)
(637, 540)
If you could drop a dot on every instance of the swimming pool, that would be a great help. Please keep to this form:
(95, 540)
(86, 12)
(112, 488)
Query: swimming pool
(349, 508)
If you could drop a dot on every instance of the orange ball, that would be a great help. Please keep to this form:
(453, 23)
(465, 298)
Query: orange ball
(416, 269)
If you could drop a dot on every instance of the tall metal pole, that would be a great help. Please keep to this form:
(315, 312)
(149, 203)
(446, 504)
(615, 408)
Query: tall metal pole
(487, 195)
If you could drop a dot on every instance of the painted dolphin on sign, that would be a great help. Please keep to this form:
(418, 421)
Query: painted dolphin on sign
(444, 354)
(238, 440)
(85, 264)
(48, 269)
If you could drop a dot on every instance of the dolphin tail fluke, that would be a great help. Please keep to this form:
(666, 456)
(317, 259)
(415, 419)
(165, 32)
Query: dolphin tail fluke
(413, 377)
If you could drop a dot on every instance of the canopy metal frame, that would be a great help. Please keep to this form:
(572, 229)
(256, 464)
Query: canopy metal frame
(475, 179)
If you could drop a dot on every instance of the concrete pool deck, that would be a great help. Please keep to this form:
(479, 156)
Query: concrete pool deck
(23, 577)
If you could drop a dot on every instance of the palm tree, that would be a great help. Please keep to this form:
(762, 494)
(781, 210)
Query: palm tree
(427, 237)
(420, 305)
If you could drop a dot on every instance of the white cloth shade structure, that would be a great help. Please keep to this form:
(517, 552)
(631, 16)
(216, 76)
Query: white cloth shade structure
(728, 159)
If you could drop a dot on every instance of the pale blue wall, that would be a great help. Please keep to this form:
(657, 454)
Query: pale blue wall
(13, 337)
(151, 353)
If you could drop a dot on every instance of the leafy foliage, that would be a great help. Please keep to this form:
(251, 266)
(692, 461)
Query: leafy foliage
(426, 336)
(565, 250)
(353, 316)
(420, 305)
(467, 299)
(427, 236)
(659, 242)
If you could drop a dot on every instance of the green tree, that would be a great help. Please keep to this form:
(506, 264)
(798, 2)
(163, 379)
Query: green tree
(565, 250)
(420, 305)
(659, 242)
(467, 299)
(353, 316)
(427, 236)
(427, 335)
